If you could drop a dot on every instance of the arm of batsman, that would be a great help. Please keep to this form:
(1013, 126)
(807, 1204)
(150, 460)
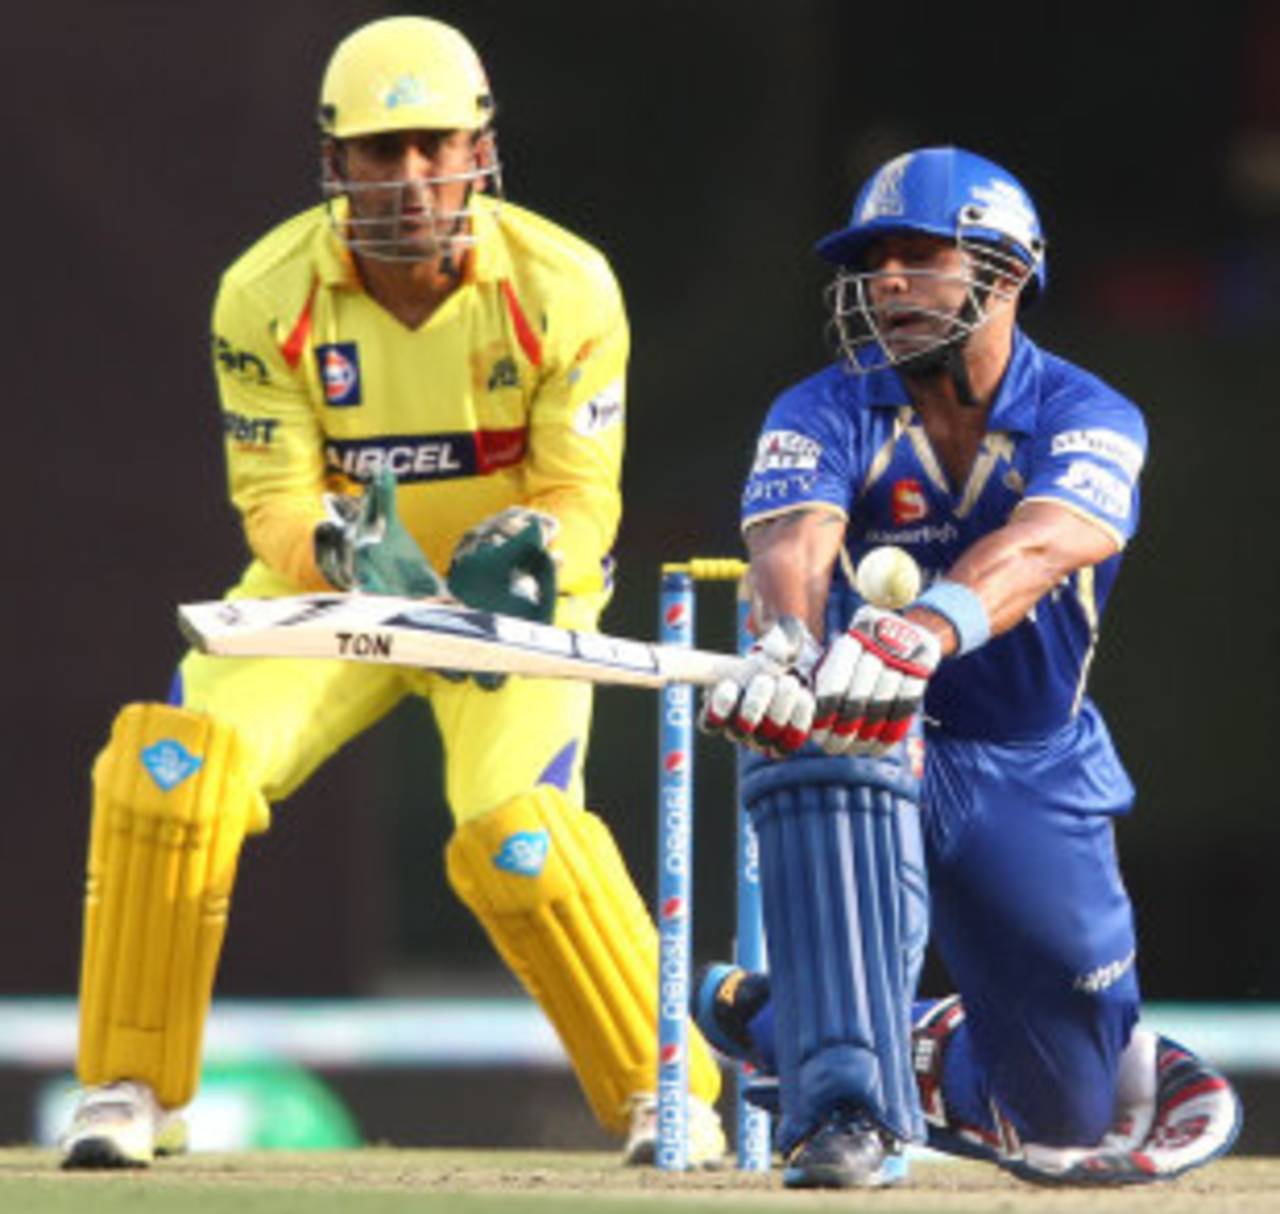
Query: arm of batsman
(769, 706)
(871, 681)
(363, 545)
(505, 565)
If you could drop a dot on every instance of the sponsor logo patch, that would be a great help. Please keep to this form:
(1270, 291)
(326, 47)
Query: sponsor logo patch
(601, 412)
(427, 457)
(1105, 444)
(239, 363)
(505, 374)
(907, 502)
(168, 763)
(249, 431)
(524, 853)
(1103, 490)
(785, 451)
(339, 366)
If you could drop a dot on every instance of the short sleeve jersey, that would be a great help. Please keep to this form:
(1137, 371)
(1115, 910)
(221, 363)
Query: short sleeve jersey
(511, 393)
(853, 444)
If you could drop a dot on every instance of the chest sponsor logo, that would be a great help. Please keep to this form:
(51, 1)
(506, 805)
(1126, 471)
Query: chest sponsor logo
(1103, 490)
(1104, 444)
(907, 502)
(339, 367)
(427, 457)
(603, 410)
(786, 451)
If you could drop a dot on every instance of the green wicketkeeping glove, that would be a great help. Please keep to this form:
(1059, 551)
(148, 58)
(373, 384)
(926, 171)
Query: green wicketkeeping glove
(364, 546)
(503, 565)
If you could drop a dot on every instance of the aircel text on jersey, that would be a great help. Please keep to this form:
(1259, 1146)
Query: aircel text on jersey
(434, 457)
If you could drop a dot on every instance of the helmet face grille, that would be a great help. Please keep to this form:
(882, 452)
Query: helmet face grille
(907, 334)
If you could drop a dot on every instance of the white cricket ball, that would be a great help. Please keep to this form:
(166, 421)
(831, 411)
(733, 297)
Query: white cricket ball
(888, 577)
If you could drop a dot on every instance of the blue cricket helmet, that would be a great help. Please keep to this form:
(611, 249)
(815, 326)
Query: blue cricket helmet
(945, 192)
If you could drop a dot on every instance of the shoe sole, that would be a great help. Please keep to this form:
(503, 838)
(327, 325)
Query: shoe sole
(99, 1153)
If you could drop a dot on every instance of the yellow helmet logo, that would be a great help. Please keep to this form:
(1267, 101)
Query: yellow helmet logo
(404, 73)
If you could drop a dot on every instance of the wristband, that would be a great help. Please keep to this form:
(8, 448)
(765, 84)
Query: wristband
(962, 609)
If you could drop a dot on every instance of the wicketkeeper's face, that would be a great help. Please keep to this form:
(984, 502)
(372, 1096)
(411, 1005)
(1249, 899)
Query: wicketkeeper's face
(409, 190)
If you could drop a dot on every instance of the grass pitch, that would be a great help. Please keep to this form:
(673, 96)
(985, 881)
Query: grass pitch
(389, 1181)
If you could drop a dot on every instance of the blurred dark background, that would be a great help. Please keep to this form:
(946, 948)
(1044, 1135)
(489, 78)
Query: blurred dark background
(704, 146)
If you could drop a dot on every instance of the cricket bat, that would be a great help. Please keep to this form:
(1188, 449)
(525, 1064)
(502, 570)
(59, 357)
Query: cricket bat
(437, 634)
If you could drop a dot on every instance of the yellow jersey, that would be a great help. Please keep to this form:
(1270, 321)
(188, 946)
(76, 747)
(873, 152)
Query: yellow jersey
(511, 393)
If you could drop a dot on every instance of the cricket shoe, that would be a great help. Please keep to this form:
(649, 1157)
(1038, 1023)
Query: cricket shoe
(725, 999)
(1195, 1116)
(121, 1125)
(843, 1153)
(707, 1143)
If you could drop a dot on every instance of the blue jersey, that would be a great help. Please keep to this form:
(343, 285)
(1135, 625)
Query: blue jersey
(853, 444)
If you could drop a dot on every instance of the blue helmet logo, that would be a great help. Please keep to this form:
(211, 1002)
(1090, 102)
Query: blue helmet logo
(945, 192)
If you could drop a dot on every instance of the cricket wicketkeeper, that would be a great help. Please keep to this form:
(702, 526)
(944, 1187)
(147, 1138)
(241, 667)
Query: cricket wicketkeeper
(415, 375)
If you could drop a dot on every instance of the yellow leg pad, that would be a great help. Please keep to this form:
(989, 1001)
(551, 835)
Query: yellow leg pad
(171, 806)
(548, 883)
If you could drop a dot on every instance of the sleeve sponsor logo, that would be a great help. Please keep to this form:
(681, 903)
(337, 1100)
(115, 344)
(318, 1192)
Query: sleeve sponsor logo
(1103, 490)
(1104, 444)
(428, 457)
(601, 412)
(249, 431)
(240, 363)
(785, 451)
(796, 487)
(339, 366)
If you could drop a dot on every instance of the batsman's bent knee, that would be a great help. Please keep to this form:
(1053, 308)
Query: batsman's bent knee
(171, 807)
(550, 887)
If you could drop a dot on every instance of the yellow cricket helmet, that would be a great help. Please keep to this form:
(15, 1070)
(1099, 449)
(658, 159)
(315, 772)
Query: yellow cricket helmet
(401, 74)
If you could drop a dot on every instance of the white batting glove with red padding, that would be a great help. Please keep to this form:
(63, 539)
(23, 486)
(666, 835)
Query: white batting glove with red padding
(870, 683)
(768, 706)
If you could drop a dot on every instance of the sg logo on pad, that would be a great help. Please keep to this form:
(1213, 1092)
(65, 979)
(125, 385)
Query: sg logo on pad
(339, 366)
(524, 853)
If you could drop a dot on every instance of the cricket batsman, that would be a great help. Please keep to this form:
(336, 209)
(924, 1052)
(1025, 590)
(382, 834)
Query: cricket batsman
(416, 375)
(946, 758)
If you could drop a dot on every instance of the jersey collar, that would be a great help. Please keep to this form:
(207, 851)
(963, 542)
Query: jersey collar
(1014, 408)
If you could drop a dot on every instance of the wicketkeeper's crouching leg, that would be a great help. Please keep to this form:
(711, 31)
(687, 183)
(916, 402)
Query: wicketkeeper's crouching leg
(845, 906)
(546, 880)
(172, 804)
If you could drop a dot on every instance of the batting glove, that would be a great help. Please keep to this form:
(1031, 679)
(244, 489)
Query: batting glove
(871, 682)
(769, 705)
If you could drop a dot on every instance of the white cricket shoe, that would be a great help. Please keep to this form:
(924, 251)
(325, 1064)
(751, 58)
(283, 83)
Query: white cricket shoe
(121, 1125)
(707, 1144)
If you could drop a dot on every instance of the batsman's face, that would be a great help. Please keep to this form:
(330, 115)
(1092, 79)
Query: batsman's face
(409, 190)
(916, 284)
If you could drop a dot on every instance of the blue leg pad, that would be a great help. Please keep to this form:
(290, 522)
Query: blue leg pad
(846, 920)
